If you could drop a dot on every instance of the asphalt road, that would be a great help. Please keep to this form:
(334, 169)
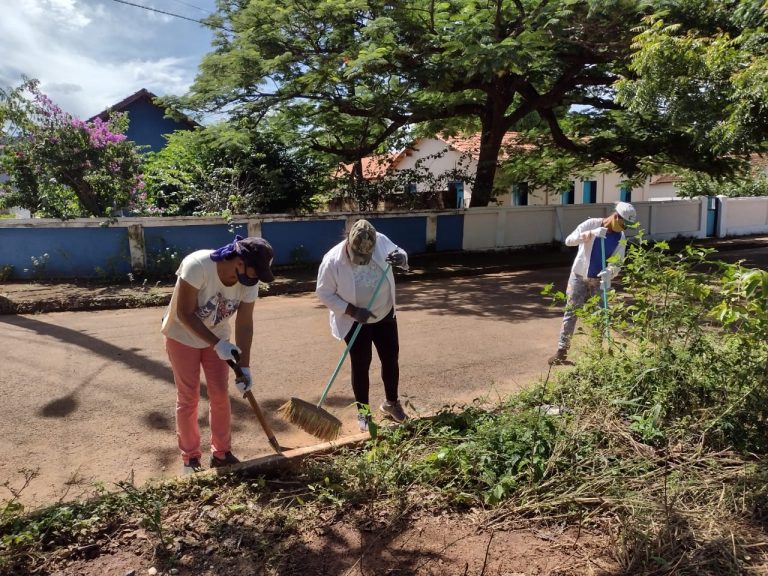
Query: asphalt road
(89, 397)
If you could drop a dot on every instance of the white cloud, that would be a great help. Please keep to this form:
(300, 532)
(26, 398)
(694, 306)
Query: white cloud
(89, 56)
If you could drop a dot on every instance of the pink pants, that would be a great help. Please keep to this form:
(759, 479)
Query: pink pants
(186, 362)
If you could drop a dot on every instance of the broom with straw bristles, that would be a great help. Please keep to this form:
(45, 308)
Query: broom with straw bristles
(312, 418)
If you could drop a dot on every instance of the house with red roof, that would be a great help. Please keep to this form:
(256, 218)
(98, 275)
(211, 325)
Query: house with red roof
(452, 161)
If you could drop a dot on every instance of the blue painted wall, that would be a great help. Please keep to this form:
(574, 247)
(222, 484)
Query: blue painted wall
(408, 233)
(93, 252)
(147, 125)
(450, 233)
(303, 240)
(72, 252)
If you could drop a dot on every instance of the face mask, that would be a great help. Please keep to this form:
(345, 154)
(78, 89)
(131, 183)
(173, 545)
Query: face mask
(617, 225)
(246, 280)
(359, 259)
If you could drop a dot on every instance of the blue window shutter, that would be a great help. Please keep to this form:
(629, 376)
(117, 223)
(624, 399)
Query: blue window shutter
(589, 192)
(568, 195)
(625, 194)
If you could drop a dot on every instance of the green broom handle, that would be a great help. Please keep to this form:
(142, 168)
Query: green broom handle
(354, 336)
(605, 292)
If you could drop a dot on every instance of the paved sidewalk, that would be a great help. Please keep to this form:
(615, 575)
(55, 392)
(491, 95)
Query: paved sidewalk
(53, 296)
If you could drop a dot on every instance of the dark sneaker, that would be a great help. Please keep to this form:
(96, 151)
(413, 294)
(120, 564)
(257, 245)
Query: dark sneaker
(559, 358)
(193, 466)
(394, 410)
(362, 422)
(228, 460)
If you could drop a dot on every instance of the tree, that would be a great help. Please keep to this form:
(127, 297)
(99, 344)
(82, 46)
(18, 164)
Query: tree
(231, 168)
(60, 166)
(693, 184)
(352, 74)
(702, 65)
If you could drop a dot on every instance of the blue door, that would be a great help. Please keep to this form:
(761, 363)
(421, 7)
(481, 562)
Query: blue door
(713, 205)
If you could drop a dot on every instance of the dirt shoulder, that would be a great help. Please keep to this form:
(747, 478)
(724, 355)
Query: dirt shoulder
(73, 295)
(76, 295)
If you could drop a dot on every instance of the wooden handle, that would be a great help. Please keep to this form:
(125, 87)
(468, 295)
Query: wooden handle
(263, 421)
(256, 409)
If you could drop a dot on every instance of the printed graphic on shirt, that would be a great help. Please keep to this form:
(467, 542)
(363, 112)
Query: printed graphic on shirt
(217, 309)
(367, 276)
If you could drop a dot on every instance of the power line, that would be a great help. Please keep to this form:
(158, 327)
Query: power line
(192, 6)
(170, 14)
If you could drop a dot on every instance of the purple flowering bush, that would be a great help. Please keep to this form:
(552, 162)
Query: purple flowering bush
(59, 166)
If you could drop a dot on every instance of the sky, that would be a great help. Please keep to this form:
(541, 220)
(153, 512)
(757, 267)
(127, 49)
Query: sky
(90, 54)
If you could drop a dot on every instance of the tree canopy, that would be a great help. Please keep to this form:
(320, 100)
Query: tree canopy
(231, 168)
(60, 166)
(351, 75)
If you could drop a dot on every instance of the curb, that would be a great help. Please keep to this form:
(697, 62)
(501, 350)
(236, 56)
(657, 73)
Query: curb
(275, 462)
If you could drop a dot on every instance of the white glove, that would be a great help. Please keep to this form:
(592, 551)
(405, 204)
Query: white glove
(599, 232)
(225, 349)
(605, 279)
(246, 382)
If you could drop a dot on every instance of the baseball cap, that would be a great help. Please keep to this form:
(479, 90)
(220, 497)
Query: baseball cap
(362, 240)
(627, 212)
(258, 254)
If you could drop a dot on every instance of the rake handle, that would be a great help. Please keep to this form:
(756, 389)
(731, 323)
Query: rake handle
(354, 336)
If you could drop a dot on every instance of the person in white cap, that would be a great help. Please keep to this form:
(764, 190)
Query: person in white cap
(588, 276)
(346, 283)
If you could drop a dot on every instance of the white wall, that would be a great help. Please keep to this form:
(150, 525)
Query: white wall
(514, 227)
(741, 216)
(608, 190)
(447, 161)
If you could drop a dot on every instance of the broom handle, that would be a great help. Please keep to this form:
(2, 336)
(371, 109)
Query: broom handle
(605, 292)
(354, 336)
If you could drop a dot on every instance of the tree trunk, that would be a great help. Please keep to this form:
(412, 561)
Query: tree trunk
(490, 145)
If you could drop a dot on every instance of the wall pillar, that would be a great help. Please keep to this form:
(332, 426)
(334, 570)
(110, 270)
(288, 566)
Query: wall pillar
(136, 248)
(722, 217)
(703, 207)
(254, 228)
(431, 238)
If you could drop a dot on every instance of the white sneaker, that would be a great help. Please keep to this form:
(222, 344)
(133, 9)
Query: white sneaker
(362, 422)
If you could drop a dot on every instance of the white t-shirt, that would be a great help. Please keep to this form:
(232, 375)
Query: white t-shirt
(215, 301)
(366, 277)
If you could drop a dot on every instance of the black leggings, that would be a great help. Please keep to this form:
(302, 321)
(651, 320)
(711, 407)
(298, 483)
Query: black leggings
(382, 334)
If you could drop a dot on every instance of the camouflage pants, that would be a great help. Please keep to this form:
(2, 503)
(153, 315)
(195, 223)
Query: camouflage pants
(579, 290)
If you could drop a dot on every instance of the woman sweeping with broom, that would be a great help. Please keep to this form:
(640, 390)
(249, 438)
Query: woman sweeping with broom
(356, 283)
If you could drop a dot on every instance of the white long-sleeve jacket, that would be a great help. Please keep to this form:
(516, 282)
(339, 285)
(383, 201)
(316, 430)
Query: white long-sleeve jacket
(336, 283)
(581, 262)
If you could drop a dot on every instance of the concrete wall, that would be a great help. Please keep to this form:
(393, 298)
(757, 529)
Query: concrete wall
(90, 248)
(515, 227)
(741, 216)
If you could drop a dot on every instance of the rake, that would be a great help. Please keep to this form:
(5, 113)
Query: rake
(312, 418)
